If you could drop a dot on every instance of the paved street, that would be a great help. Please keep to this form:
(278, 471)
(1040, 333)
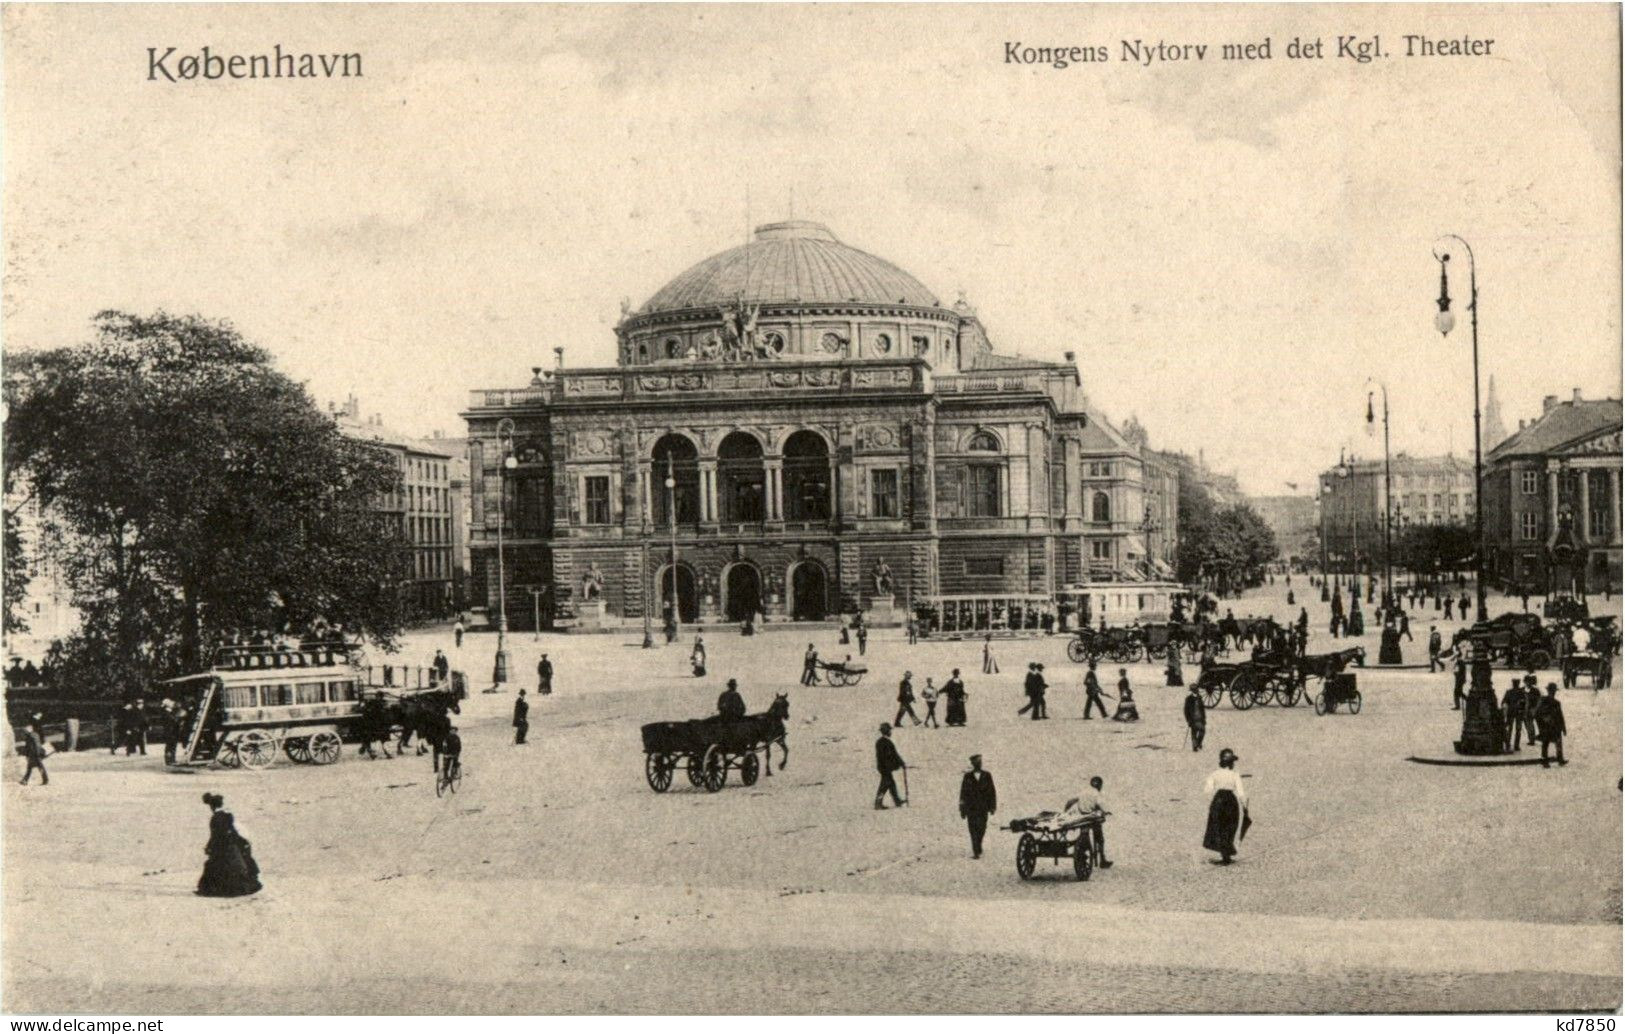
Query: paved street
(558, 881)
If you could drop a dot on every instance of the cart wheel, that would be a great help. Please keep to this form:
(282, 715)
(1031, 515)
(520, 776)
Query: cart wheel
(1211, 694)
(696, 775)
(257, 749)
(1026, 856)
(657, 769)
(1075, 652)
(750, 769)
(326, 747)
(1354, 703)
(298, 750)
(1321, 705)
(1083, 860)
(226, 755)
(1241, 693)
(714, 769)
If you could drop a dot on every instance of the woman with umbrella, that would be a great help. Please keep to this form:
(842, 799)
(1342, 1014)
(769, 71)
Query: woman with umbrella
(1227, 807)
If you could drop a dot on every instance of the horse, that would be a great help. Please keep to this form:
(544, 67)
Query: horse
(426, 715)
(773, 731)
(374, 726)
(1325, 665)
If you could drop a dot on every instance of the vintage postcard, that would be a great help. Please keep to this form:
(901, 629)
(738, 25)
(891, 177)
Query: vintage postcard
(811, 509)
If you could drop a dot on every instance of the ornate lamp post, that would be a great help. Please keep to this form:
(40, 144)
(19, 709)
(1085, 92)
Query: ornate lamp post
(1445, 320)
(1320, 512)
(671, 511)
(499, 672)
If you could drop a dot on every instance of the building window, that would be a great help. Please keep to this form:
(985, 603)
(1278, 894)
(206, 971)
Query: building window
(1100, 549)
(597, 508)
(1100, 510)
(1438, 500)
(883, 493)
(984, 566)
(982, 441)
(1531, 482)
(983, 490)
(1530, 527)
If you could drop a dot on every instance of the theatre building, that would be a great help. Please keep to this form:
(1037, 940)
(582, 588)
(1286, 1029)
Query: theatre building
(798, 429)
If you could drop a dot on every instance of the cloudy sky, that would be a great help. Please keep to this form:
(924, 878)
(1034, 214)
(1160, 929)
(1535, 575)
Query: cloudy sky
(1231, 248)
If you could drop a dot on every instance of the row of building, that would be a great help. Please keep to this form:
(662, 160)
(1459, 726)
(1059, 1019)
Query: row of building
(1551, 501)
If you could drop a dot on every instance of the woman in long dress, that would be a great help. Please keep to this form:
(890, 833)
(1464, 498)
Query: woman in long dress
(230, 871)
(1176, 673)
(1227, 804)
(954, 691)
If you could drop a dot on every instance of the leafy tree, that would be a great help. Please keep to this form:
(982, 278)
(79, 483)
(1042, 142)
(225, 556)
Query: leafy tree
(1225, 547)
(17, 577)
(196, 490)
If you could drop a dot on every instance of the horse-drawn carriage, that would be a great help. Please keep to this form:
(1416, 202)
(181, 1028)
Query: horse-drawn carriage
(1517, 640)
(1056, 835)
(257, 702)
(1121, 645)
(843, 673)
(707, 749)
(1260, 680)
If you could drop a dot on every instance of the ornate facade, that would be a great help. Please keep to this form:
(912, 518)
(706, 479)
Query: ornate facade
(810, 432)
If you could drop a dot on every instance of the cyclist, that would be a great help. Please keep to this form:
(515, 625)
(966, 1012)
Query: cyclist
(451, 754)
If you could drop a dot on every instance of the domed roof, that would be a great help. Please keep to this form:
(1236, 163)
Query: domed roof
(795, 261)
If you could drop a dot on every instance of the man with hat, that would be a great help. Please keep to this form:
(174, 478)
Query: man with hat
(1196, 716)
(521, 718)
(887, 761)
(905, 699)
(1549, 719)
(730, 704)
(34, 750)
(977, 800)
(544, 676)
(1040, 686)
(1091, 689)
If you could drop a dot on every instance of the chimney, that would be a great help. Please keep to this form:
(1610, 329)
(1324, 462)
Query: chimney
(558, 355)
(1547, 403)
(1521, 424)
(1577, 394)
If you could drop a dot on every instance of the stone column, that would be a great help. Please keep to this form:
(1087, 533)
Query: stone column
(1551, 505)
(645, 479)
(708, 491)
(774, 471)
(1613, 494)
(1585, 504)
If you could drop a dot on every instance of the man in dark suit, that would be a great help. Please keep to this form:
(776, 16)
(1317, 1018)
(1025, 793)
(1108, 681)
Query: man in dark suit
(1549, 721)
(730, 704)
(544, 676)
(521, 717)
(1195, 717)
(887, 761)
(977, 800)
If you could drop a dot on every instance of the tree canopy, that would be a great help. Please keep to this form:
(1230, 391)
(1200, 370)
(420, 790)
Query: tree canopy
(192, 489)
(1226, 547)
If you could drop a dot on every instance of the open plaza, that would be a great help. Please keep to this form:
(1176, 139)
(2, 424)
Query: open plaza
(556, 880)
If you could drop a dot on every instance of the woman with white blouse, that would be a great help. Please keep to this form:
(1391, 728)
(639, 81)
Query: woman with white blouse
(1227, 804)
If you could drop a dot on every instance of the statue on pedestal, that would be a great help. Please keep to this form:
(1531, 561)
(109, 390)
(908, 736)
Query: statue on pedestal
(883, 578)
(592, 583)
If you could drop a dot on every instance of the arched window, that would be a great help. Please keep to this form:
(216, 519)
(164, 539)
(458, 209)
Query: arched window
(673, 348)
(675, 455)
(741, 480)
(1101, 511)
(982, 441)
(806, 477)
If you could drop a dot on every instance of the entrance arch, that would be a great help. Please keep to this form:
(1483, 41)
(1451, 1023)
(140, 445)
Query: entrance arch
(741, 591)
(688, 600)
(676, 456)
(809, 591)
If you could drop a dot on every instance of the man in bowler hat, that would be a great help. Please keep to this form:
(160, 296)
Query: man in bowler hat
(977, 800)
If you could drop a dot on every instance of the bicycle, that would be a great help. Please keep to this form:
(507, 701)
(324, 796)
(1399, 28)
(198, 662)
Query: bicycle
(450, 777)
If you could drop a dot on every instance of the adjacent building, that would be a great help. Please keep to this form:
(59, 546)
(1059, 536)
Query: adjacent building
(1295, 522)
(797, 428)
(421, 504)
(1355, 502)
(1552, 499)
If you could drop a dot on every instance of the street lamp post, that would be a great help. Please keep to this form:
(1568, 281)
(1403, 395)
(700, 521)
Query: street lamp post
(499, 671)
(671, 509)
(536, 598)
(1321, 505)
(1445, 320)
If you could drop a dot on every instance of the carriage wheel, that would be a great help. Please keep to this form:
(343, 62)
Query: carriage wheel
(326, 747)
(1026, 856)
(855, 679)
(657, 768)
(1154, 653)
(696, 775)
(1538, 659)
(297, 749)
(1083, 861)
(714, 769)
(1321, 704)
(257, 749)
(1286, 692)
(1210, 694)
(1354, 703)
(226, 755)
(750, 769)
(1075, 652)
(1241, 692)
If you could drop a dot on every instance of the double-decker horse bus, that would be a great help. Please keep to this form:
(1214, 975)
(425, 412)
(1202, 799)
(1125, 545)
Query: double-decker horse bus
(256, 702)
